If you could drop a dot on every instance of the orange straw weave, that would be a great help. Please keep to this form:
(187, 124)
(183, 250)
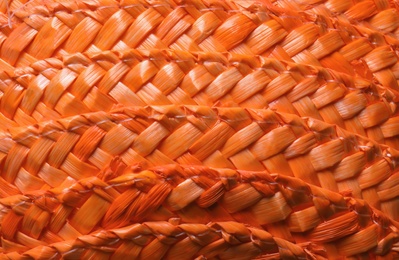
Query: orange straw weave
(199, 129)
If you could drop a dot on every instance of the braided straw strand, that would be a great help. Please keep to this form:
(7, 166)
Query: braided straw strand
(207, 80)
(242, 196)
(86, 145)
(163, 240)
(294, 34)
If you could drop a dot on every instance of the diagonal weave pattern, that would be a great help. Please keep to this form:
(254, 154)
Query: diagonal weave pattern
(319, 38)
(82, 84)
(194, 195)
(199, 129)
(84, 146)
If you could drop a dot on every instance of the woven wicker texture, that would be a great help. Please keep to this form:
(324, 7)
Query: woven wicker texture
(350, 73)
(287, 207)
(235, 138)
(67, 157)
(199, 129)
(100, 82)
(204, 26)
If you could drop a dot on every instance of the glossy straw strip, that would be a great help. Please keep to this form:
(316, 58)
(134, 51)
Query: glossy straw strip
(49, 154)
(170, 240)
(88, 83)
(381, 15)
(59, 29)
(88, 209)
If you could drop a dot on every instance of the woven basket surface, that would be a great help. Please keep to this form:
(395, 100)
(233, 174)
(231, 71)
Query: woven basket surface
(199, 129)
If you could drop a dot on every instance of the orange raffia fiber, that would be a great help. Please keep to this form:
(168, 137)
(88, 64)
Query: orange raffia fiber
(199, 129)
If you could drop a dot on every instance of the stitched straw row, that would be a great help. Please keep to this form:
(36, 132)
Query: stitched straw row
(163, 240)
(86, 82)
(37, 158)
(82, 84)
(286, 207)
(381, 15)
(317, 38)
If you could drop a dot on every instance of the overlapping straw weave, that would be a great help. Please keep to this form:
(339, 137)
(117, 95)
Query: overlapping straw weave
(199, 129)
(329, 70)
(287, 207)
(247, 139)
(82, 84)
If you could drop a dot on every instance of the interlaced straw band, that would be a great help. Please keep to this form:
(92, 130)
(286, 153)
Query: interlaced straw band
(286, 207)
(381, 15)
(84, 83)
(46, 155)
(42, 29)
(163, 240)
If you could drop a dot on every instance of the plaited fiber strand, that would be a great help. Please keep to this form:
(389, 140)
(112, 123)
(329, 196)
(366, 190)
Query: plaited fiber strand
(158, 77)
(199, 129)
(69, 176)
(341, 60)
(299, 209)
(235, 138)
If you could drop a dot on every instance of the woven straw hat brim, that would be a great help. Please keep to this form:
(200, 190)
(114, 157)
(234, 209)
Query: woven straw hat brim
(199, 129)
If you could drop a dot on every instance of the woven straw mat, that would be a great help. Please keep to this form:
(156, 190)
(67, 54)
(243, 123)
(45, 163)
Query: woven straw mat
(199, 129)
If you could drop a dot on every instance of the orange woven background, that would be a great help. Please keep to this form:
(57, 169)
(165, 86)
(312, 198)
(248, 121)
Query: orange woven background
(199, 129)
